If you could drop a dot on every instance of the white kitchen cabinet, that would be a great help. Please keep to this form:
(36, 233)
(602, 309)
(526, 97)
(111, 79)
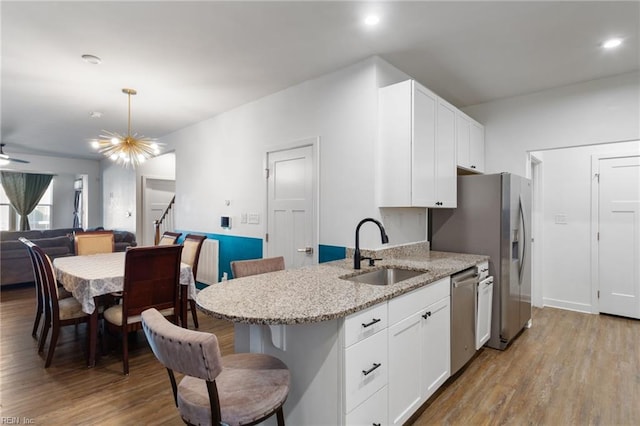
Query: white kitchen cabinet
(485, 302)
(416, 149)
(445, 176)
(365, 369)
(404, 369)
(371, 412)
(469, 143)
(419, 348)
(366, 365)
(436, 347)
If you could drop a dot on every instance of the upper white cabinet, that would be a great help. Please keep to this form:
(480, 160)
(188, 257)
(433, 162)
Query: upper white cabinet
(417, 155)
(470, 143)
(445, 158)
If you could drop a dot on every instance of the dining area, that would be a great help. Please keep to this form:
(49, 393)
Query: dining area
(108, 290)
(148, 291)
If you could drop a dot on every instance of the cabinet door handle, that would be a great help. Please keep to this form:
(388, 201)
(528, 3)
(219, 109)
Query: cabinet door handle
(376, 424)
(426, 315)
(369, 371)
(369, 324)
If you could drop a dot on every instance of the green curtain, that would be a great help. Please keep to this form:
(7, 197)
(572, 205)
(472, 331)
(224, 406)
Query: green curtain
(24, 191)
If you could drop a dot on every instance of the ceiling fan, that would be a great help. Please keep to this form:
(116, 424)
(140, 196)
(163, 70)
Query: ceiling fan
(5, 159)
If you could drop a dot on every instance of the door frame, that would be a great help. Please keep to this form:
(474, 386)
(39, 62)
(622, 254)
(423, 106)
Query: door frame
(537, 207)
(143, 201)
(595, 220)
(314, 143)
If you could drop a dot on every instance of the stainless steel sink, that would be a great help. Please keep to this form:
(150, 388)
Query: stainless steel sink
(385, 276)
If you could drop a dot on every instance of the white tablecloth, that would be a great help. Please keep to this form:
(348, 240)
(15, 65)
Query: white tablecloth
(98, 274)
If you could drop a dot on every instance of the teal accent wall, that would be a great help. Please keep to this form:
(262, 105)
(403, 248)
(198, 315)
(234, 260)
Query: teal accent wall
(329, 253)
(230, 248)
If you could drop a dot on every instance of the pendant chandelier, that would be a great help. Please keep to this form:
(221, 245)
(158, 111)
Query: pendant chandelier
(130, 150)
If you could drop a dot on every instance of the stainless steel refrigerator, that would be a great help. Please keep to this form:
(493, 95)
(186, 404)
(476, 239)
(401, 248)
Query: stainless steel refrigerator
(493, 217)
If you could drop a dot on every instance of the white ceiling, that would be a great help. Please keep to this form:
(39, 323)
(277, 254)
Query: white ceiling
(192, 60)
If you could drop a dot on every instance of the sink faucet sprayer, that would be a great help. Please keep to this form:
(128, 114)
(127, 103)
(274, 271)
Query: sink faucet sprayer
(383, 235)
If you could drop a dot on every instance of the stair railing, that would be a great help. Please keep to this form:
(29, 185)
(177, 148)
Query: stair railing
(165, 223)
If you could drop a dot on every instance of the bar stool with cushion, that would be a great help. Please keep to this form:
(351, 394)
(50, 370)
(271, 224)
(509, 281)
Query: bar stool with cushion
(245, 268)
(190, 255)
(169, 238)
(238, 389)
(93, 242)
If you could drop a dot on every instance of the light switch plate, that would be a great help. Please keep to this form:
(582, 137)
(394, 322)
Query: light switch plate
(253, 218)
(561, 219)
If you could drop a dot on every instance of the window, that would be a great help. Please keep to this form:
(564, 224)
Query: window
(40, 217)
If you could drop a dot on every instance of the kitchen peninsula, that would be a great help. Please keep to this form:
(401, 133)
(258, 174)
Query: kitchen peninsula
(336, 335)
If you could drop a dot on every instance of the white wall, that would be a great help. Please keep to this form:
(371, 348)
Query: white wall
(119, 196)
(122, 188)
(566, 248)
(65, 171)
(598, 111)
(591, 113)
(223, 158)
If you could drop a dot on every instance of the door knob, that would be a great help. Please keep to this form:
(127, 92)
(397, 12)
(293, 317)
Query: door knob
(307, 250)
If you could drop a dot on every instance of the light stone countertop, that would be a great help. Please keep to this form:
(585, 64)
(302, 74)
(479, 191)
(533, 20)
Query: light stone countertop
(317, 293)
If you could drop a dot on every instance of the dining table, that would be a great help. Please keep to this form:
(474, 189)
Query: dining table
(91, 276)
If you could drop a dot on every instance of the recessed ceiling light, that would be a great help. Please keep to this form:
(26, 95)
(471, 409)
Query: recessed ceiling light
(92, 59)
(612, 43)
(372, 20)
(95, 114)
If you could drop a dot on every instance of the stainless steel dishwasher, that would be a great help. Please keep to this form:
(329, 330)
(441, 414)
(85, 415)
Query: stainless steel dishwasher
(463, 317)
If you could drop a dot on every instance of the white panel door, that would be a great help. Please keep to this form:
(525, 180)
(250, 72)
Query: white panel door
(619, 236)
(291, 215)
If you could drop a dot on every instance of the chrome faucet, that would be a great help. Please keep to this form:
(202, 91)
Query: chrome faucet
(383, 235)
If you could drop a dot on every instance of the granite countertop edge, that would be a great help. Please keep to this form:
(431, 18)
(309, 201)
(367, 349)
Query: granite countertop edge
(319, 292)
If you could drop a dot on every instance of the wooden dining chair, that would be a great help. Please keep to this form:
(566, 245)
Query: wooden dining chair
(245, 268)
(190, 255)
(151, 280)
(39, 285)
(57, 312)
(238, 389)
(40, 299)
(169, 238)
(93, 242)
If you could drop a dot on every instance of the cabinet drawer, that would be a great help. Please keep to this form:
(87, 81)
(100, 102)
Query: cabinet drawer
(403, 306)
(365, 323)
(371, 412)
(365, 369)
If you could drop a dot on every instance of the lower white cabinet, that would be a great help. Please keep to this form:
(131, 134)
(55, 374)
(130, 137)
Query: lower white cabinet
(419, 348)
(371, 412)
(436, 347)
(396, 355)
(404, 369)
(365, 369)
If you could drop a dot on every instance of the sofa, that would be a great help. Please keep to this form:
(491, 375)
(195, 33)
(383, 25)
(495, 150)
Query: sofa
(15, 265)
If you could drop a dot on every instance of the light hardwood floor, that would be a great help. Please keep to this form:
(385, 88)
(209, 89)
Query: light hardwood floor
(568, 369)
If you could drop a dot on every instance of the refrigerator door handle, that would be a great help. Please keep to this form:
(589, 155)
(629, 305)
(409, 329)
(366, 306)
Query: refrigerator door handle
(524, 237)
